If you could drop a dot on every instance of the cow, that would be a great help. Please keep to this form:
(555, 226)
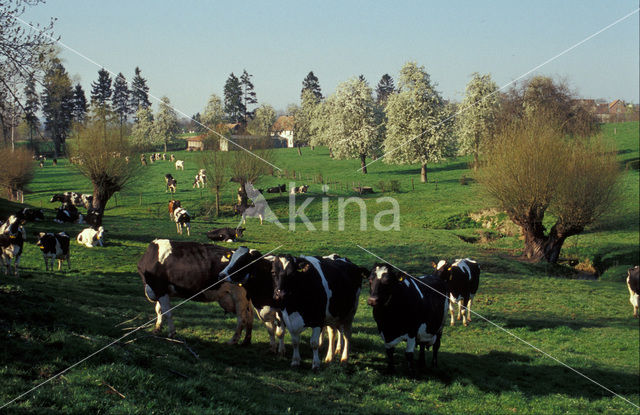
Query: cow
(225, 234)
(277, 189)
(68, 213)
(168, 177)
(172, 185)
(409, 309)
(32, 215)
(86, 200)
(54, 246)
(633, 284)
(182, 220)
(180, 164)
(200, 179)
(173, 205)
(90, 237)
(462, 279)
(190, 270)
(172, 158)
(250, 211)
(65, 197)
(299, 189)
(11, 246)
(93, 218)
(13, 224)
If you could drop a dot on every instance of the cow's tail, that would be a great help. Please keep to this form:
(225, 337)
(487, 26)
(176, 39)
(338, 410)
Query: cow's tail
(148, 292)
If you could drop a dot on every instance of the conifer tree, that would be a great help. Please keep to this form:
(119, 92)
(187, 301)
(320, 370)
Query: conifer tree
(310, 83)
(233, 106)
(248, 95)
(79, 104)
(101, 90)
(31, 106)
(384, 89)
(139, 92)
(56, 104)
(120, 99)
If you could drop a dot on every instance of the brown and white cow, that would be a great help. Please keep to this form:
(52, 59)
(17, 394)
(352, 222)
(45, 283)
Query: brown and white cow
(190, 270)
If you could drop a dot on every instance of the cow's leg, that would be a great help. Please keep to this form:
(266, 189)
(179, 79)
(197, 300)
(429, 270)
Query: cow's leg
(408, 353)
(452, 301)
(421, 359)
(469, 308)
(330, 338)
(165, 311)
(178, 228)
(436, 347)
(295, 342)
(464, 304)
(247, 320)
(158, 325)
(280, 330)
(459, 315)
(390, 360)
(339, 342)
(315, 336)
(188, 229)
(345, 336)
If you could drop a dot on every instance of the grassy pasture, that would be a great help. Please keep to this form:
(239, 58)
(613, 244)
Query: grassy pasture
(49, 321)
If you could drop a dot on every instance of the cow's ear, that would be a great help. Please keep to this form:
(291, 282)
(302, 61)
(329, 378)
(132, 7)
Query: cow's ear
(228, 254)
(434, 265)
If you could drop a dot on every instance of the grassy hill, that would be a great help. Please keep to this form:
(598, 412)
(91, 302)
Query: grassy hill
(49, 321)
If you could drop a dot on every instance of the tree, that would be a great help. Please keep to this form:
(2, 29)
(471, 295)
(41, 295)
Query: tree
(139, 92)
(476, 120)
(57, 98)
(196, 123)
(265, 117)
(216, 166)
(213, 112)
(310, 83)
(247, 168)
(417, 130)
(142, 131)
(104, 161)
(233, 106)
(533, 167)
(121, 99)
(385, 88)
(101, 90)
(78, 104)
(16, 171)
(31, 106)
(352, 131)
(248, 95)
(166, 123)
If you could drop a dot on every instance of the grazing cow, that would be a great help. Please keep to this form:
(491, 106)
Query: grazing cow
(168, 177)
(409, 309)
(11, 248)
(277, 189)
(299, 189)
(225, 234)
(54, 246)
(68, 213)
(90, 237)
(190, 270)
(180, 164)
(182, 219)
(462, 279)
(32, 215)
(172, 185)
(200, 179)
(633, 284)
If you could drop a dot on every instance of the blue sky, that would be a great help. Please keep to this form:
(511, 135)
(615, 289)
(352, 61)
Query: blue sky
(187, 50)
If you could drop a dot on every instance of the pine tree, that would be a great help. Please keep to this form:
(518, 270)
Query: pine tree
(101, 90)
(56, 104)
(233, 106)
(79, 104)
(248, 95)
(139, 92)
(384, 89)
(31, 105)
(120, 99)
(310, 83)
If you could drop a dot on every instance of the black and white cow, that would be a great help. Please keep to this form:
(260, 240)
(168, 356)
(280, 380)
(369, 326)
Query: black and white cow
(11, 245)
(462, 279)
(168, 179)
(277, 189)
(250, 270)
(13, 224)
(225, 234)
(299, 189)
(200, 179)
(65, 197)
(182, 220)
(187, 269)
(633, 284)
(409, 309)
(68, 213)
(54, 246)
(32, 215)
(93, 218)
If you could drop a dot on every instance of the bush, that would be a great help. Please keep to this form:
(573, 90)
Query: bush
(16, 171)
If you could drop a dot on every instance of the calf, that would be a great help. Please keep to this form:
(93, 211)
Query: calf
(225, 234)
(462, 279)
(182, 219)
(172, 158)
(633, 284)
(54, 246)
(299, 189)
(90, 237)
(190, 270)
(11, 249)
(180, 164)
(408, 309)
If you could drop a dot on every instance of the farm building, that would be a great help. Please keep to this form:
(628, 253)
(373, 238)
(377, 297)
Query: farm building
(195, 143)
(283, 128)
(252, 142)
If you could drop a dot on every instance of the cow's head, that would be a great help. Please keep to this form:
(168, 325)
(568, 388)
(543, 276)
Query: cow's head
(42, 238)
(99, 234)
(442, 269)
(238, 270)
(381, 281)
(283, 269)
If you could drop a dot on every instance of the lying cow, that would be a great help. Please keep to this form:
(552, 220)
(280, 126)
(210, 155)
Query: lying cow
(299, 189)
(190, 270)
(633, 284)
(32, 215)
(54, 246)
(277, 189)
(462, 279)
(225, 234)
(410, 309)
(90, 237)
(68, 213)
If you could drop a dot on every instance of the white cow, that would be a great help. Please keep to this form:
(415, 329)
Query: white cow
(180, 164)
(90, 237)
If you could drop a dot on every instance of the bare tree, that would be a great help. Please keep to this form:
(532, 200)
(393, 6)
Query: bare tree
(216, 165)
(16, 171)
(247, 168)
(534, 168)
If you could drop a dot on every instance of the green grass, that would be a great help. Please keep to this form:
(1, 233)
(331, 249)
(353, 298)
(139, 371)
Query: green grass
(49, 321)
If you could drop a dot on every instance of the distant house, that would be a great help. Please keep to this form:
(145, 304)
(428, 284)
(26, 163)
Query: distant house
(251, 142)
(283, 128)
(195, 143)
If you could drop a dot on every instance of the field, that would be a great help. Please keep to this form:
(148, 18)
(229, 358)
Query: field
(51, 321)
